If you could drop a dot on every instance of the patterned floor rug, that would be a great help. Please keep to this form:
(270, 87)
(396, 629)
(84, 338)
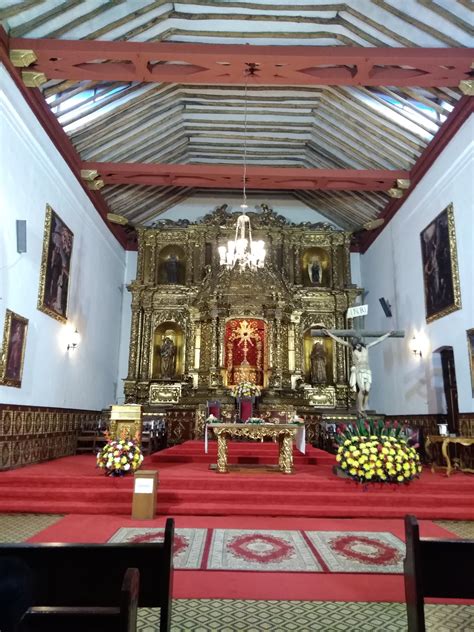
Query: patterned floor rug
(282, 551)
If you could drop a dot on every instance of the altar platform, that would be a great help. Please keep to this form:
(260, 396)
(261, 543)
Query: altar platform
(187, 486)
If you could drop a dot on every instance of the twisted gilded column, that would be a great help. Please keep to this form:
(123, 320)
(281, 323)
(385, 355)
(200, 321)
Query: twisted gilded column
(297, 265)
(146, 339)
(285, 457)
(135, 342)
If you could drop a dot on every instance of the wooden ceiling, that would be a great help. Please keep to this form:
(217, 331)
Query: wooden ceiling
(336, 124)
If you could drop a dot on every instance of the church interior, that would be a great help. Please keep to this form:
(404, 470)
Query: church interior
(235, 278)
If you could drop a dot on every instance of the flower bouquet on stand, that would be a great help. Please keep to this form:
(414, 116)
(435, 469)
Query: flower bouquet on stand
(120, 456)
(246, 389)
(371, 451)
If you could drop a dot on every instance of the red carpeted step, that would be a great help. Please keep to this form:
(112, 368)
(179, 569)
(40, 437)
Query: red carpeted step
(74, 485)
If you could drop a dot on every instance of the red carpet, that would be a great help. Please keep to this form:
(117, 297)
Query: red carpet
(190, 584)
(188, 487)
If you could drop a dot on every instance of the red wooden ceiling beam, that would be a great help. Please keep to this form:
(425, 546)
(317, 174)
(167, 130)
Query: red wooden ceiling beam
(229, 64)
(231, 176)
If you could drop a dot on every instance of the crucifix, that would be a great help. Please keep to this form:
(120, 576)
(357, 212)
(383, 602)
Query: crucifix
(360, 378)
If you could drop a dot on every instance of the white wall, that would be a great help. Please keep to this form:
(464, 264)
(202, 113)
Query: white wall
(32, 174)
(392, 268)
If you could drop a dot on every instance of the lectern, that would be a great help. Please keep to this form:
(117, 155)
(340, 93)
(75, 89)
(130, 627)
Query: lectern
(126, 418)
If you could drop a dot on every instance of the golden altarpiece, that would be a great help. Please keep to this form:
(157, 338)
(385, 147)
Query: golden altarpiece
(198, 328)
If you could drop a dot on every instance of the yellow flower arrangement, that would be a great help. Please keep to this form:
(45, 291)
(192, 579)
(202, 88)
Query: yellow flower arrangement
(377, 451)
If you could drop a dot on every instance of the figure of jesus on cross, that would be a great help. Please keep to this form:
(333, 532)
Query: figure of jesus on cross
(360, 379)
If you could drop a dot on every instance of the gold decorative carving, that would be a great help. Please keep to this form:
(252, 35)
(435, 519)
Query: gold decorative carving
(22, 57)
(165, 393)
(321, 396)
(33, 79)
(467, 87)
(96, 185)
(92, 174)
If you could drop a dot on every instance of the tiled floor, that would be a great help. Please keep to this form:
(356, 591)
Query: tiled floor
(223, 615)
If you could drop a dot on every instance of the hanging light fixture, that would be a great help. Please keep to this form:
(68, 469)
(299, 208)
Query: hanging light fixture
(243, 252)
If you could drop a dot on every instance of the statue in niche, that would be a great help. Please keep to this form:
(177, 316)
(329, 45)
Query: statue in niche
(172, 269)
(168, 357)
(315, 271)
(318, 363)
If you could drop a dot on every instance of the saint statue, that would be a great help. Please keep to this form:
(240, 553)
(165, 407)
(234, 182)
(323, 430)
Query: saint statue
(318, 363)
(315, 271)
(172, 269)
(360, 379)
(168, 358)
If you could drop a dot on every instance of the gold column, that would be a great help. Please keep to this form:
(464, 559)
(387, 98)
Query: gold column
(145, 355)
(153, 271)
(347, 261)
(335, 280)
(135, 342)
(189, 257)
(141, 255)
(297, 264)
(285, 457)
(222, 453)
(296, 319)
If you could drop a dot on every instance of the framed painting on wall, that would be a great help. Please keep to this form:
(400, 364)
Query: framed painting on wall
(55, 266)
(13, 349)
(470, 350)
(440, 266)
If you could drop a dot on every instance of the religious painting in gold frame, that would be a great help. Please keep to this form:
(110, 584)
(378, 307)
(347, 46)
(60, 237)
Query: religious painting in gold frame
(55, 267)
(440, 266)
(470, 350)
(13, 349)
(315, 267)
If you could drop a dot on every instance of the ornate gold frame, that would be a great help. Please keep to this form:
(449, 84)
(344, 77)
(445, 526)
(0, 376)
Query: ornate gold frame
(9, 317)
(470, 351)
(44, 266)
(456, 304)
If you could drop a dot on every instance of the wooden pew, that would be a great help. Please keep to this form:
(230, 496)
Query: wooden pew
(91, 575)
(122, 618)
(434, 567)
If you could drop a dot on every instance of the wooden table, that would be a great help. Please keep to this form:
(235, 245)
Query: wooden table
(284, 433)
(445, 442)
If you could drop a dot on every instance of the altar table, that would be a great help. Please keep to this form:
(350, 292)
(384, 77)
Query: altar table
(285, 433)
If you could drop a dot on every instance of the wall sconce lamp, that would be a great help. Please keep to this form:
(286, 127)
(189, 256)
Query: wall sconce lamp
(74, 340)
(415, 347)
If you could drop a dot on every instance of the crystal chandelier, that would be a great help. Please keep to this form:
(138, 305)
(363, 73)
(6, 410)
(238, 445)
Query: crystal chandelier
(243, 252)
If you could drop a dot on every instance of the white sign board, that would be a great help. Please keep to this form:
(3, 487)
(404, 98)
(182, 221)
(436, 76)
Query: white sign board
(143, 486)
(357, 310)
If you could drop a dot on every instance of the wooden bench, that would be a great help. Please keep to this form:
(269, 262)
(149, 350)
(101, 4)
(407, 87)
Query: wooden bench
(91, 575)
(122, 618)
(434, 567)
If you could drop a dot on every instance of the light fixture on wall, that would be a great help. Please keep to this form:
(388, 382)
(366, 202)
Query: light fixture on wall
(415, 346)
(74, 340)
(243, 251)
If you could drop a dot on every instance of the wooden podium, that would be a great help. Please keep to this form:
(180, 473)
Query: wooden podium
(144, 495)
(126, 418)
